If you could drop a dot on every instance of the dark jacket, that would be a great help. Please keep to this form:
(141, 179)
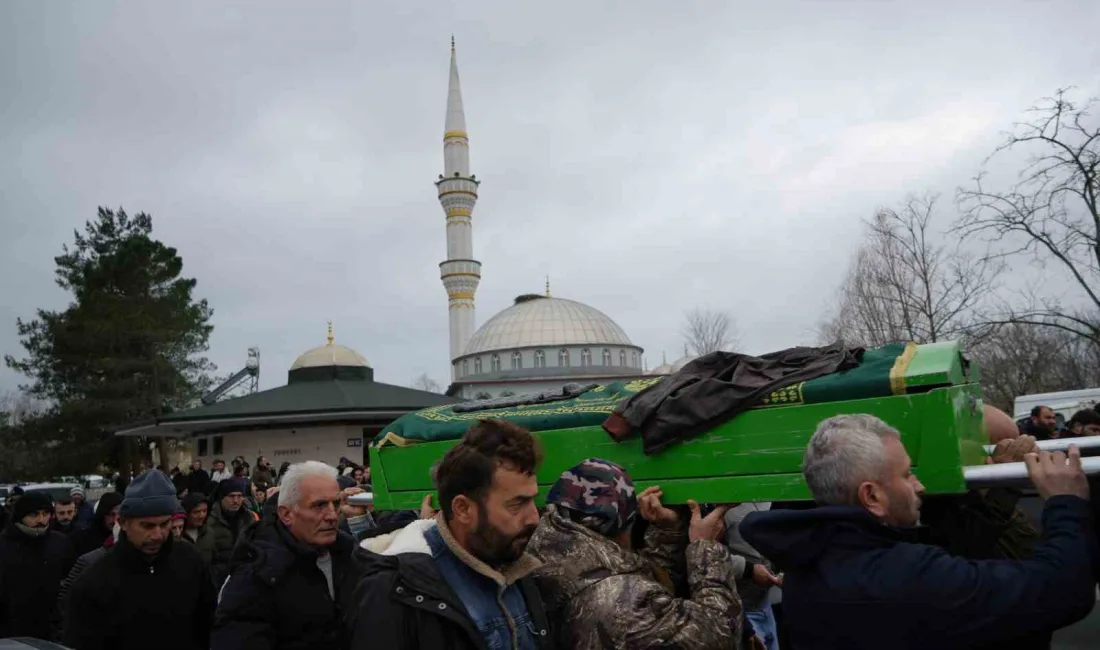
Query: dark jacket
(82, 563)
(717, 386)
(197, 480)
(852, 582)
(31, 571)
(84, 515)
(403, 602)
(277, 597)
(89, 539)
(128, 601)
(222, 532)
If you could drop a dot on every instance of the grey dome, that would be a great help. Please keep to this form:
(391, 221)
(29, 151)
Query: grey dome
(546, 322)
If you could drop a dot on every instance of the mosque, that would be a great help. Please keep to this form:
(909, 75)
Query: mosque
(540, 341)
(331, 405)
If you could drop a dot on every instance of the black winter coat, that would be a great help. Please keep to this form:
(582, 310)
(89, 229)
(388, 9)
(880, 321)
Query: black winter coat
(853, 583)
(31, 571)
(126, 601)
(404, 604)
(277, 598)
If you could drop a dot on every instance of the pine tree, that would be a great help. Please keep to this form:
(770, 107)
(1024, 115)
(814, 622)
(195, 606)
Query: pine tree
(127, 349)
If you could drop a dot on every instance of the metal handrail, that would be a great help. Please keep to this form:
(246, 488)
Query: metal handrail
(1013, 474)
(1062, 444)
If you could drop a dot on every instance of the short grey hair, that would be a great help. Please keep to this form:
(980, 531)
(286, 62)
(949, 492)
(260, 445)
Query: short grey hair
(290, 488)
(845, 451)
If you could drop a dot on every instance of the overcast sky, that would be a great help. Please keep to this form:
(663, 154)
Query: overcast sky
(650, 157)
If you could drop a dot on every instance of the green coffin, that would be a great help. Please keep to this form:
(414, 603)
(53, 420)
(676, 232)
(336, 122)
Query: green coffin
(928, 392)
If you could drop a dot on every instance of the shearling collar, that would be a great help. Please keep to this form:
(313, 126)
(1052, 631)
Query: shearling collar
(505, 576)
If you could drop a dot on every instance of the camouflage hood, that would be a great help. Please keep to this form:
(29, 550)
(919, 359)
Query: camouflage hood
(575, 558)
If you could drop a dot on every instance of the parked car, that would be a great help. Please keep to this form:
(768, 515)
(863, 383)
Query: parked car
(56, 491)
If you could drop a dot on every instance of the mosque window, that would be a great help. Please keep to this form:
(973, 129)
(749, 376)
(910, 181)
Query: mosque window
(477, 366)
(563, 358)
(465, 368)
(635, 359)
(606, 360)
(540, 359)
(622, 358)
(586, 358)
(517, 360)
(494, 363)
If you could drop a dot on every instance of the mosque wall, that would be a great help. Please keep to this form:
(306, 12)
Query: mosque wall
(327, 444)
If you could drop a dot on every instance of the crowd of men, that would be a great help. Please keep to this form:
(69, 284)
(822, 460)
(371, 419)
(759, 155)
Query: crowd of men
(281, 560)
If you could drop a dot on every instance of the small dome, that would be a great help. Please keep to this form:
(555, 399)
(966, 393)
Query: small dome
(329, 355)
(678, 364)
(663, 369)
(541, 321)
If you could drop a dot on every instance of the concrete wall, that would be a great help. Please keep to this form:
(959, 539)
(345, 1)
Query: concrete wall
(326, 444)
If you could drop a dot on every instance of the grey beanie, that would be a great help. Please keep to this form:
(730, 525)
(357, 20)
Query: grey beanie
(150, 495)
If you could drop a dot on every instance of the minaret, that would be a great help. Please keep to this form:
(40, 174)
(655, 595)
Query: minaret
(457, 187)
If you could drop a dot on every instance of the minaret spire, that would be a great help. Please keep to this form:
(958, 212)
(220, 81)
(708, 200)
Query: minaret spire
(460, 272)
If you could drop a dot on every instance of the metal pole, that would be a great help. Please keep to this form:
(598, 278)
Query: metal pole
(361, 499)
(1087, 443)
(1011, 474)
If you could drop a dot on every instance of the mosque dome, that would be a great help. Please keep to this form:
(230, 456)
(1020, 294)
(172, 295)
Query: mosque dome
(663, 369)
(541, 321)
(329, 355)
(678, 364)
(330, 361)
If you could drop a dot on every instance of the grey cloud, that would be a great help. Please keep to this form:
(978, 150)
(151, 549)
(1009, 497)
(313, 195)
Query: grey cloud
(649, 157)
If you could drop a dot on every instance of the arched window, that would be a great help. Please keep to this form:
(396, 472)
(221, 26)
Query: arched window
(477, 366)
(494, 363)
(540, 359)
(517, 360)
(586, 358)
(622, 358)
(465, 368)
(563, 358)
(635, 359)
(606, 357)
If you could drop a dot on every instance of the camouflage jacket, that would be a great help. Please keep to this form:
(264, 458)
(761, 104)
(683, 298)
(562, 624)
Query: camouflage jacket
(599, 595)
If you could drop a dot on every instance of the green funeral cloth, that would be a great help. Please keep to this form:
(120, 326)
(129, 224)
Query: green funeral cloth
(876, 376)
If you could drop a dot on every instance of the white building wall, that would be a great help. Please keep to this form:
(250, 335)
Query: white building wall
(326, 444)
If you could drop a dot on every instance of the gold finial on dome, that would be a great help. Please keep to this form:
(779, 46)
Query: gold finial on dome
(331, 338)
(548, 286)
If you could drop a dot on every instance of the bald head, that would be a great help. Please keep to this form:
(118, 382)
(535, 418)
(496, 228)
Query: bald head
(999, 425)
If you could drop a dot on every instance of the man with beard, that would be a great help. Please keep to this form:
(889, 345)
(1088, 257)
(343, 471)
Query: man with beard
(461, 579)
(1043, 423)
(147, 590)
(289, 574)
(857, 578)
(227, 520)
(64, 511)
(33, 561)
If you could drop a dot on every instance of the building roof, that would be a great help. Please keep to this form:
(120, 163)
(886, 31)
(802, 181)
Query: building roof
(542, 321)
(297, 403)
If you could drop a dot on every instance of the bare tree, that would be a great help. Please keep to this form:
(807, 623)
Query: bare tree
(1021, 359)
(707, 330)
(1051, 213)
(907, 284)
(424, 382)
(17, 407)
